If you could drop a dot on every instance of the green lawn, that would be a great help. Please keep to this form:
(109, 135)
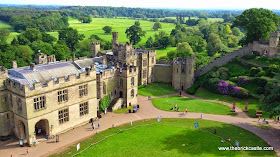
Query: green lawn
(170, 137)
(193, 105)
(123, 110)
(163, 52)
(156, 89)
(253, 104)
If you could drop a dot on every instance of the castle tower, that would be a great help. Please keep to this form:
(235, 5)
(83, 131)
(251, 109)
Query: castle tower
(94, 49)
(115, 38)
(183, 73)
(41, 58)
(274, 39)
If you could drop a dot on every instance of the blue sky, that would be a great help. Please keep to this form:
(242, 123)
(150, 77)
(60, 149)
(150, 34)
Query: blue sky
(195, 4)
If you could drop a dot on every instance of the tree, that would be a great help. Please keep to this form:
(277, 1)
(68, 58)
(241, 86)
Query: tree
(4, 33)
(42, 46)
(157, 26)
(61, 52)
(107, 29)
(214, 44)
(48, 38)
(149, 42)
(184, 49)
(271, 103)
(32, 34)
(134, 33)
(70, 36)
(257, 23)
(164, 42)
(85, 19)
(227, 30)
(14, 42)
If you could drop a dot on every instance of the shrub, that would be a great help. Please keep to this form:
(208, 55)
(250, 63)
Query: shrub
(273, 69)
(211, 84)
(239, 92)
(249, 56)
(254, 71)
(260, 90)
(223, 73)
(227, 88)
(261, 73)
(233, 79)
(193, 88)
(242, 81)
(232, 45)
(259, 81)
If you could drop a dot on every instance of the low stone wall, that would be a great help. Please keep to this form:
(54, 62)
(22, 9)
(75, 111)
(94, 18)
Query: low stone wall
(163, 73)
(224, 59)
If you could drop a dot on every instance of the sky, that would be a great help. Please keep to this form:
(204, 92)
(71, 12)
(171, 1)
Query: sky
(193, 4)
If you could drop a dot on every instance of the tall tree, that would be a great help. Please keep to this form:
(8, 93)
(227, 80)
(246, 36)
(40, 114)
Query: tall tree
(149, 42)
(258, 23)
(4, 33)
(184, 50)
(134, 33)
(32, 34)
(70, 36)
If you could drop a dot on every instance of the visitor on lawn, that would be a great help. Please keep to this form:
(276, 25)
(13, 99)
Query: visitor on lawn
(175, 105)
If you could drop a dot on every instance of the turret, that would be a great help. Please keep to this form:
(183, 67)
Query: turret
(95, 48)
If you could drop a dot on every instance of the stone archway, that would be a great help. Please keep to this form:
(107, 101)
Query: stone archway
(42, 128)
(21, 130)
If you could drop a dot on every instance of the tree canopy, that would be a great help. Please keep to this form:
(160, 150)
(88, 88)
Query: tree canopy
(70, 36)
(134, 33)
(107, 29)
(257, 23)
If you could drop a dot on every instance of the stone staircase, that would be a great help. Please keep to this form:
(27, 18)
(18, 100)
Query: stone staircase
(116, 104)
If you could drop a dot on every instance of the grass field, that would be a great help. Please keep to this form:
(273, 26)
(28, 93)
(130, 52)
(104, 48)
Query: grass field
(170, 137)
(253, 104)
(193, 105)
(156, 89)
(163, 52)
(118, 25)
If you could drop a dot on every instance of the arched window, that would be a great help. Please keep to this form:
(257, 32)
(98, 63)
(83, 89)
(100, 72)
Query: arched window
(132, 81)
(104, 88)
(132, 93)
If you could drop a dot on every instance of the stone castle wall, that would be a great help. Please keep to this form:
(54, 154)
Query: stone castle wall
(163, 73)
(224, 60)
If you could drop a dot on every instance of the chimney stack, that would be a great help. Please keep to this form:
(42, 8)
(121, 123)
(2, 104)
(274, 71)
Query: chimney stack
(104, 59)
(73, 57)
(14, 64)
(32, 66)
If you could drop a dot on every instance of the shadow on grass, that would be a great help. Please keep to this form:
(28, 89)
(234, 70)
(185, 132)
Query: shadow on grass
(203, 142)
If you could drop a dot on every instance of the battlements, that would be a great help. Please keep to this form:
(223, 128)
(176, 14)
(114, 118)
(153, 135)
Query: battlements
(180, 60)
(52, 83)
(95, 43)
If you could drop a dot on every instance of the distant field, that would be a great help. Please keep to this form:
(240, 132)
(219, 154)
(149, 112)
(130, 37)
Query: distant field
(118, 25)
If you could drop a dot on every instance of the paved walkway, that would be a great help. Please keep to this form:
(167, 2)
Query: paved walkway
(147, 110)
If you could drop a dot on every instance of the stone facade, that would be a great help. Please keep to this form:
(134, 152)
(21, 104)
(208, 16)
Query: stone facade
(52, 97)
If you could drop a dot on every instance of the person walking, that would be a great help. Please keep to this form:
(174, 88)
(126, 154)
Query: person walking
(27, 151)
(98, 125)
(201, 116)
(93, 126)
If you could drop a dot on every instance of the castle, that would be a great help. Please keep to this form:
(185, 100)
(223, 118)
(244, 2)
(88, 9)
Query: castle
(51, 97)
(56, 96)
